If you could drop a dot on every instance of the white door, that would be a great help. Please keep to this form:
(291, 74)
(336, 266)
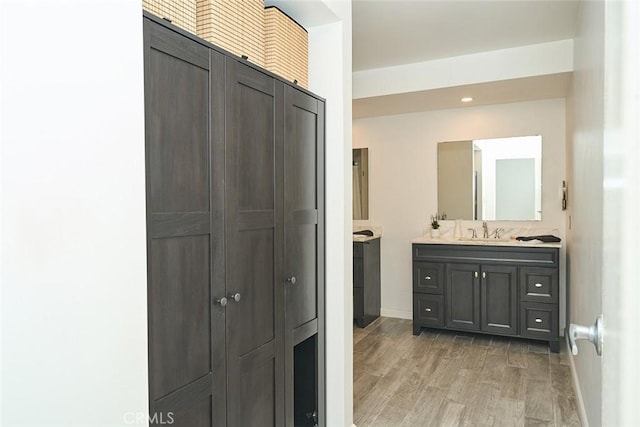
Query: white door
(621, 216)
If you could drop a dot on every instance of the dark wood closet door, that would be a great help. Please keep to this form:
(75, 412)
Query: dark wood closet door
(184, 125)
(255, 323)
(303, 118)
(304, 234)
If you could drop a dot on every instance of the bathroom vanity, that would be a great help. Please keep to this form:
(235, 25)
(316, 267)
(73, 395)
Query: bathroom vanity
(502, 288)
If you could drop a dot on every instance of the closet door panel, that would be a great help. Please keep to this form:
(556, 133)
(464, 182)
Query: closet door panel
(301, 206)
(254, 316)
(304, 252)
(256, 389)
(186, 327)
(197, 415)
(255, 172)
(181, 336)
(255, 323)
(177, 132)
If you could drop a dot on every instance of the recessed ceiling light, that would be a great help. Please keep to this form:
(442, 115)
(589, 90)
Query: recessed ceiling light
(467, 99)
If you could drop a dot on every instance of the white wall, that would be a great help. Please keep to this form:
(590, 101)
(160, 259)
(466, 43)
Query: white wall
(403, 175)
(621, 202)
(330, 77)
(73, 263)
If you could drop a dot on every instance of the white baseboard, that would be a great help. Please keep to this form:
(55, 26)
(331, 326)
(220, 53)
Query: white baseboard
(398, 314)
(582, 412)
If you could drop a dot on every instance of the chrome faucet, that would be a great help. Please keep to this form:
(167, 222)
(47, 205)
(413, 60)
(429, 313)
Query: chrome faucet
(485, 230)
(473, 233)
(497, 233)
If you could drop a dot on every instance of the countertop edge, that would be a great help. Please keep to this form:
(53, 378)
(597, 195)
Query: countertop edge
(511, 243)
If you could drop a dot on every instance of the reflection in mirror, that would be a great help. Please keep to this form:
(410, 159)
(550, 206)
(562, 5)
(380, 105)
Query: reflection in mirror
(360, 183)
(491, 179)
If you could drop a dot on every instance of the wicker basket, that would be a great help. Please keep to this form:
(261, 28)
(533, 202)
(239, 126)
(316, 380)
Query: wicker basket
(286, 47)
(180, 12)
(234, 25)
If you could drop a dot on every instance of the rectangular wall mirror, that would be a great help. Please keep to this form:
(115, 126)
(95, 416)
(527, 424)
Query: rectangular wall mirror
(360, 162)
(491, 179)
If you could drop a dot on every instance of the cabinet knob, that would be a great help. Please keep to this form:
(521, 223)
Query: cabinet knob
(291, 280)
(538, 320)
(235, 297)
(475, 273)
(484, 275)
(427, 277)
(538, 285)
(427, 309)
(222, 301)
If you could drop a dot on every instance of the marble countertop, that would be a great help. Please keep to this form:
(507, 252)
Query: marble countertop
(377, 233)
(484, 242)
(362, 238)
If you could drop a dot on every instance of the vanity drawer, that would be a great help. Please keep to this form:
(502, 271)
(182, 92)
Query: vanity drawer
(428, 277)
(539, 321)
(428, 310)
(539, 285)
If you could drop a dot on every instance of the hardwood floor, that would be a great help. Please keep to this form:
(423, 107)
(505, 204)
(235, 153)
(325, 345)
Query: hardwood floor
(444, 378)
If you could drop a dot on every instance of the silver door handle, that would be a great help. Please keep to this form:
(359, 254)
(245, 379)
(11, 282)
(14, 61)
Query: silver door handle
(235, 297)
(222, 301)
(292, 280)
(591, 333)
(427, 277)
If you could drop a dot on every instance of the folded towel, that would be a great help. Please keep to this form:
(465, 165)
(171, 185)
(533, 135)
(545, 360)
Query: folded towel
(364, 233)
(546, 238)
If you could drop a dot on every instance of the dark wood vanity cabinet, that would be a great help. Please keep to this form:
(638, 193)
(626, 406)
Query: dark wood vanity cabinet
(366, 281)
(502, 290)
(235, 238)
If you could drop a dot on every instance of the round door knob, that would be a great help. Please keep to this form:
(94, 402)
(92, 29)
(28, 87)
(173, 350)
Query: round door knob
(538, 320)
(222, 301)
(538, 285)
(292, 280)
(235, 297)
(427, 277)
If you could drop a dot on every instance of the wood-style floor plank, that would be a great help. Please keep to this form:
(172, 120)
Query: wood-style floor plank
(445, 378)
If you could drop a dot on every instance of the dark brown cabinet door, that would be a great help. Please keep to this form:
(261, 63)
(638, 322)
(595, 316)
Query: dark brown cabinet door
(301, 203)
(303, 278)
(463, 296)
(254, 238)
(499, 296)
(186, 329)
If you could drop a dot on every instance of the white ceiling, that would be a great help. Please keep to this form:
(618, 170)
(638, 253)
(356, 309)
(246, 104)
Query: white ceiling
(395, 32)
(387, 33)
